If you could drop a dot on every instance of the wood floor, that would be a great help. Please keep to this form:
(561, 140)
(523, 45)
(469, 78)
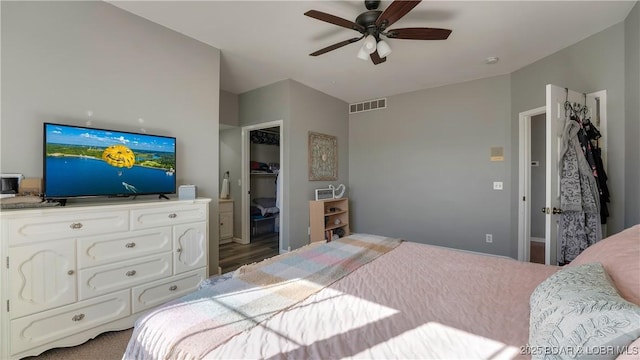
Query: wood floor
(234, 255)
(536, 254)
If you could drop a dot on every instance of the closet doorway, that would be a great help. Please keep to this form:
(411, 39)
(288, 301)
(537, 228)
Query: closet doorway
(262, 187)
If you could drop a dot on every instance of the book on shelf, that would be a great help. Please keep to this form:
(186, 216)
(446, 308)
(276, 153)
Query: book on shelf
(328, 235)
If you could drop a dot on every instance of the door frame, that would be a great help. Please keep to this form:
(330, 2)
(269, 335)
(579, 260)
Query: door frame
(524, 169)
(524, 192)
(246, 178)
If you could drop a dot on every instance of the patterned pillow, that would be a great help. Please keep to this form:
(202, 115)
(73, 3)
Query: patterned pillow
(619, 255)
(577, 313)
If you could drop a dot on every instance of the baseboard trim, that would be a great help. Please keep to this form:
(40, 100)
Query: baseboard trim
(239, 241)
(537, 239)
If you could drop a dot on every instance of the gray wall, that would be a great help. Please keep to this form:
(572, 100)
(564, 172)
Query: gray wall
(538, 181)
(421, 170)
(596, 63)
(229, 109)
(302, 109)
(61, 59)
(632, 113)
(312, 110)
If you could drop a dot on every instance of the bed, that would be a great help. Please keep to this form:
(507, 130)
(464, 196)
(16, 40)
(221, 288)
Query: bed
(399, 299)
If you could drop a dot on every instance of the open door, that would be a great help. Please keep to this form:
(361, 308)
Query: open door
(555, 121)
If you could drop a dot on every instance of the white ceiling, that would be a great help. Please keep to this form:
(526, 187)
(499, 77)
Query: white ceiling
(262, 42)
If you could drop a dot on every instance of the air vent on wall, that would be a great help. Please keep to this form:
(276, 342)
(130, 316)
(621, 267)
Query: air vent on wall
(368, 106)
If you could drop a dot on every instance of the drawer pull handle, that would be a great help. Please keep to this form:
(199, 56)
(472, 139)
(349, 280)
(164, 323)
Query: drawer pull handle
(70, 272)
(130, 245)
(77, 317)
(76, 226)
(173, 288)
(173, 216)
(130, 273)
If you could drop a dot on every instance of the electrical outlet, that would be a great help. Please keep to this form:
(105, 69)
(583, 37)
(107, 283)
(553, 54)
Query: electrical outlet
(239, 182)
(497, 185)
(489, 238)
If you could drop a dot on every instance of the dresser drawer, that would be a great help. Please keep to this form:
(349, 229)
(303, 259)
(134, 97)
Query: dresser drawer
(38, 329)
(103, 279)
(168, 215)
(161, 291)
(68, 225)
(99, 250)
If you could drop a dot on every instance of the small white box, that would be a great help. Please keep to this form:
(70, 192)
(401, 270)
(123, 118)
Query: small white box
(186, 192)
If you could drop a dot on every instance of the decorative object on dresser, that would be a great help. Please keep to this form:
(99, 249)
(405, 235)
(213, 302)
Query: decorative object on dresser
(323, 157)
(338, 191)
(187, 192)
(225, 217)
(224, 191)
(72, 273)
(322, 194)
(10, 184)
(327, 218)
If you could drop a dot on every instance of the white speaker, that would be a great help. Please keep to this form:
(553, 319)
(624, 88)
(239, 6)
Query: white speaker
(186, 192)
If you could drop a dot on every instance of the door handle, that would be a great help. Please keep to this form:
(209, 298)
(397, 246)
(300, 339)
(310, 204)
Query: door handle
(555, 211)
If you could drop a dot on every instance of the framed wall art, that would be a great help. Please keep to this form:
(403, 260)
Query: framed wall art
(323, 157)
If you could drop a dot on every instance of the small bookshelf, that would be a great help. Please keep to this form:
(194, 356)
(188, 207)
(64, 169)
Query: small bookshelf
(328, 218)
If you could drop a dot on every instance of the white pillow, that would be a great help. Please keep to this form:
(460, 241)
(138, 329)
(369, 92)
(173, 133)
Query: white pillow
(577, 313)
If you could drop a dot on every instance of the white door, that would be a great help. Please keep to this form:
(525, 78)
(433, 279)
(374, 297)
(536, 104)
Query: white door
(556, 98)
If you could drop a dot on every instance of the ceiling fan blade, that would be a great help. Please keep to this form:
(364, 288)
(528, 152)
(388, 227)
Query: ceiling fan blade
(375, 57)
(335, 20)
(394, 12)
(335, 46)
(419, 33)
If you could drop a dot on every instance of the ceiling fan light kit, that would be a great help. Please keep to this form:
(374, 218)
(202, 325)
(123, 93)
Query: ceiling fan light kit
(372, 25)
(383, 48)
(363, 54)
(369, 44)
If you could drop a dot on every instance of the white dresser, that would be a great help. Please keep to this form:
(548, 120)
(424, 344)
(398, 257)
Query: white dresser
(71, 273)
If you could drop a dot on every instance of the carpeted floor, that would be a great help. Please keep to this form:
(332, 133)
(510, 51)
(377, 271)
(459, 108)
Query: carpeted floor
(107, 346)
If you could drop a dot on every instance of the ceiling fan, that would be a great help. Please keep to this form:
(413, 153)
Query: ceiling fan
(372, 24)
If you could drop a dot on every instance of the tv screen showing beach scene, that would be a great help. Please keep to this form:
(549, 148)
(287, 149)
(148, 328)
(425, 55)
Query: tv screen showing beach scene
(83, 161)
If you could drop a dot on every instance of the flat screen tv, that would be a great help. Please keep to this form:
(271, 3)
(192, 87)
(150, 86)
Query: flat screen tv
(83, 162)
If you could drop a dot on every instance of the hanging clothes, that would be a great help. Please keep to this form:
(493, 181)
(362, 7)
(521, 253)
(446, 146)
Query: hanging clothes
(602, 185)
(589, 136)
(579, 225)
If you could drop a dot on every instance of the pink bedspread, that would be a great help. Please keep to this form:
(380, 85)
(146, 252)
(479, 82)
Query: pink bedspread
(417, 301)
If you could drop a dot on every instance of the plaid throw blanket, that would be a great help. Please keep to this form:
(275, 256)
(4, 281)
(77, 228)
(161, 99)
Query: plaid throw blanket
(194, 325)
